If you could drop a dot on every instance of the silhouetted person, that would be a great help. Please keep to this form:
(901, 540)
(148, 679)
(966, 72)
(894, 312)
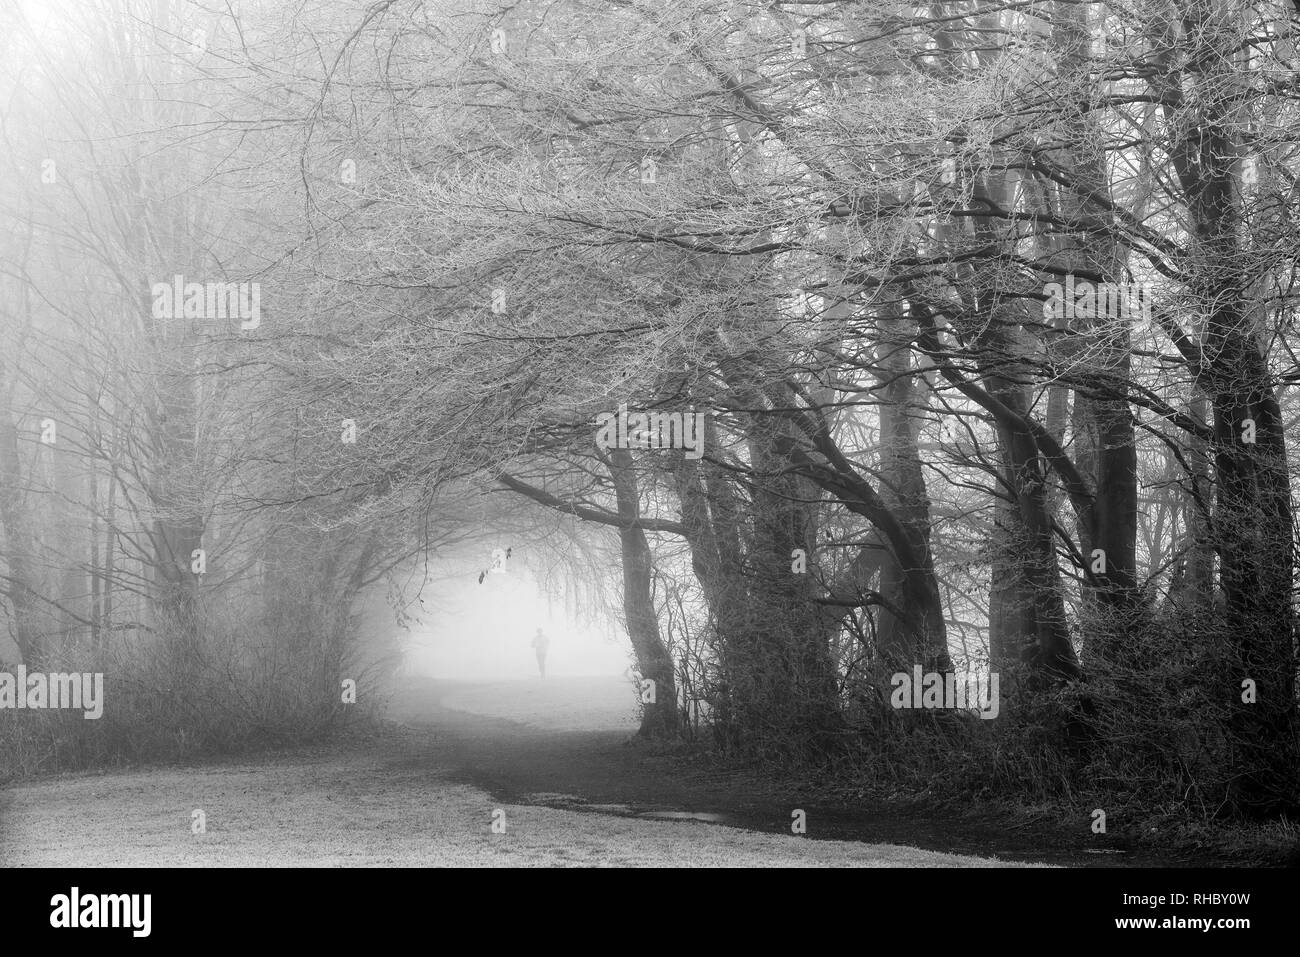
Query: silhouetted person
(540, 644)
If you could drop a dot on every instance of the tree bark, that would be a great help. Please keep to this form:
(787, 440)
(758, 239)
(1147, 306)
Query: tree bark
(659, 716)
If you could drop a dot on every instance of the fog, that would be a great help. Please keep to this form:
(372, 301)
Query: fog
(468, 630)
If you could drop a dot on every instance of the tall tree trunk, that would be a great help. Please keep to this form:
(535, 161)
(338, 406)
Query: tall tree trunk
(1191, 587)
(178, 530)
(1253, 517)
(791, 675)
(659, 716)
(1031, 582)
(904, 491)
(19, 583)
(725, 592)
(1105, 431)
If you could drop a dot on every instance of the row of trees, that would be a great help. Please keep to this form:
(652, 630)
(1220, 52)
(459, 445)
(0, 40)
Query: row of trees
(988, 311)
(155, 515)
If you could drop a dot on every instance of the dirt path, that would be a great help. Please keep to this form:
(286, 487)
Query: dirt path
(426, 794)
(563, 744)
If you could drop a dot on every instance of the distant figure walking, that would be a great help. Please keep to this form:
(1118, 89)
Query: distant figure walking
(540, 644)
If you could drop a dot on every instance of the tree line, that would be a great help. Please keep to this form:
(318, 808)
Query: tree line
(987, 310)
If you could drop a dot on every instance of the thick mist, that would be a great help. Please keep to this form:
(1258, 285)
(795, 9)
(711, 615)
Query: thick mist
(471, 631)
